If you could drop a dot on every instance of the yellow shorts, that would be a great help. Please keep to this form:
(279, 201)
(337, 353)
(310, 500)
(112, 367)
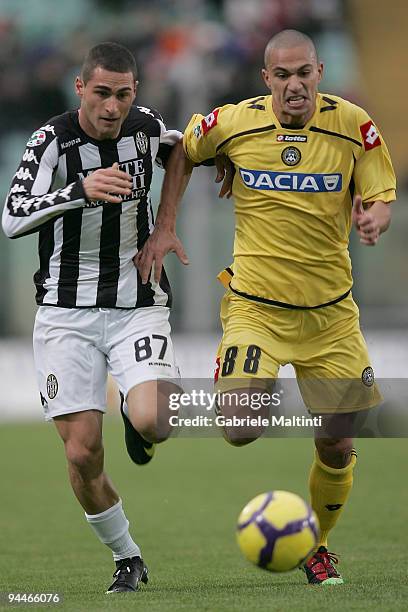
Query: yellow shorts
(325, 346)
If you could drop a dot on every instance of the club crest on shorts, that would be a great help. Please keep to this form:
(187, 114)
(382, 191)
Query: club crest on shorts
(367, 376)
(142, 142)
(52, 386)
(291, 156)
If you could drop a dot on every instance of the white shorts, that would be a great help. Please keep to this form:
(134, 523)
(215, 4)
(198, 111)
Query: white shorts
(76, 348)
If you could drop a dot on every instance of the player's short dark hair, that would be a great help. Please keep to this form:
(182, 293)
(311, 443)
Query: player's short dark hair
(110, 56)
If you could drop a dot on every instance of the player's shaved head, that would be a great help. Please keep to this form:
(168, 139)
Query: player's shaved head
(288, 39)
(292, 73)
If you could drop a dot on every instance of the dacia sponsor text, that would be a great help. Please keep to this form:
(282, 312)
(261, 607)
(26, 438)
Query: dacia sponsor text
(291, 181)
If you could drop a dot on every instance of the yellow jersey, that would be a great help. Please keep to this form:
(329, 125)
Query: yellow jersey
(293, 193)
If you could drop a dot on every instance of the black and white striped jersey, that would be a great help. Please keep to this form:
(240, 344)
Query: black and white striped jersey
(86, 248)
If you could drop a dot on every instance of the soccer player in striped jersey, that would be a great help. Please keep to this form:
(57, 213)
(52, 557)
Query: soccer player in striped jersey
(300, 157)
(84, 185)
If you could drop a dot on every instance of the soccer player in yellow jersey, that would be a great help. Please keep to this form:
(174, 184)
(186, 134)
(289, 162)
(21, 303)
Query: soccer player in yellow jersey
(299, 158)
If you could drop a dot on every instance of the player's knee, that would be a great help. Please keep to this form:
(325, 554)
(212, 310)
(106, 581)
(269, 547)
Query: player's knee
(236, 437)
(149, 409)
(240, 423)
(334, 452)
(237, 441)
(84, 458)
(153, 430)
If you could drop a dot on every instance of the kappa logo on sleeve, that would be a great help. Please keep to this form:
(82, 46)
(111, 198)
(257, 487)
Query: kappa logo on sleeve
(371, 137)
(210, 121)
(24, 174)
(29, 156)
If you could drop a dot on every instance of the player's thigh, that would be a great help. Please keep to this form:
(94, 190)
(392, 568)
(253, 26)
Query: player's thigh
(248, 353)
(142, 360)
(337, 375)
(334, 436)
(71, 371)
(247, 367)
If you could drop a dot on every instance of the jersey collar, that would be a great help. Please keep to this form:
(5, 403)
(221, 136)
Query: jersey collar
(311, 121)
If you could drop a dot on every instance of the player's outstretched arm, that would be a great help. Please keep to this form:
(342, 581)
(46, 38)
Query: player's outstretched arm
(163, 238)
(372, 221)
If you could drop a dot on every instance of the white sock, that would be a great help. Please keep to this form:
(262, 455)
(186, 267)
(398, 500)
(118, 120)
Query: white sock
(112, 528)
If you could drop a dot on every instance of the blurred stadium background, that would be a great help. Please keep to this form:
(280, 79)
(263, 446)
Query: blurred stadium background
(194, 55)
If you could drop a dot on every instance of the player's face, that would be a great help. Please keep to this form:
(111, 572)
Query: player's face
(293, 76)
(105, 102)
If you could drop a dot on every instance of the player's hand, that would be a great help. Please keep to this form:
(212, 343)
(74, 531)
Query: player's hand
(365, 223)
(107, 184)
(160, 242)
(225, 173)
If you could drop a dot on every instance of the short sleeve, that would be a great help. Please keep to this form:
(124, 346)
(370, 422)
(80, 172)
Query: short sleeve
(374, 175)
(204, 136)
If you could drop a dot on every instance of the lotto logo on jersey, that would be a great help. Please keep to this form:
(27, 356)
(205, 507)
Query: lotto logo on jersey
(371, 137)
(291, 181)
(291, 138)
(210, 121)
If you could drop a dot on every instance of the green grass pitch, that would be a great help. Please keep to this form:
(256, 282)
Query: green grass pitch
(183, 509)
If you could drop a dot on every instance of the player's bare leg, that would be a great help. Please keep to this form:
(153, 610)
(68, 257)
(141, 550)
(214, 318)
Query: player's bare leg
(82, 436)
(146, 415)
(81, 433)
(334, 452)
(234, 404)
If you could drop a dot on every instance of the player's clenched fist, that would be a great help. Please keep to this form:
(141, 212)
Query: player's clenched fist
(108, 184)
(365, 222)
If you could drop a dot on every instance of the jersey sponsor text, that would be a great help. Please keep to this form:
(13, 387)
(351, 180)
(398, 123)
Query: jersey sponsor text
(291, 181)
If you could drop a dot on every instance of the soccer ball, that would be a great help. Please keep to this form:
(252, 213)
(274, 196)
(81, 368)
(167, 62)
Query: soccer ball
(277, 531)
